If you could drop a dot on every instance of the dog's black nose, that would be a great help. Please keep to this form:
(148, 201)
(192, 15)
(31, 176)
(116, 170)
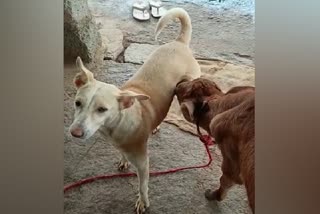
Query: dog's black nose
(77, 132)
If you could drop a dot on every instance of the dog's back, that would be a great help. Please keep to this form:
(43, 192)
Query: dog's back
(237, 89)
(165, 67)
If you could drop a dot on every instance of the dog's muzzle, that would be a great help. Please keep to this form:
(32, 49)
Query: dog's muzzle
(77, 132)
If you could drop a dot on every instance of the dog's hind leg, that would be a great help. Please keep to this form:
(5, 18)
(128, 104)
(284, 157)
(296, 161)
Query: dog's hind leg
(226, 182)
(141, 163)
(156, 130)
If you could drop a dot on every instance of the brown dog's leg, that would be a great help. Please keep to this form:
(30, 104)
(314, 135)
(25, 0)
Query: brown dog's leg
(226, 182)
(156, 130)
(250, 186)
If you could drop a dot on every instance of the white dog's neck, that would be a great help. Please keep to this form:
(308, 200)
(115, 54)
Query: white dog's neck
(124, 124)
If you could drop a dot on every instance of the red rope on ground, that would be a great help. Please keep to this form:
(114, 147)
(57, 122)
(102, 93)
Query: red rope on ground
(206, 139)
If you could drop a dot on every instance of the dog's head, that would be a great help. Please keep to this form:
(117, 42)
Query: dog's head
(97, 103)
(193, 97)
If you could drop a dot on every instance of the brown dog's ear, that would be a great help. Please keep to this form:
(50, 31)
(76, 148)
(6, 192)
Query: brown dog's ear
(126, 98)
(84, 76)
(184, 78)
(187, 109)
(217, 87)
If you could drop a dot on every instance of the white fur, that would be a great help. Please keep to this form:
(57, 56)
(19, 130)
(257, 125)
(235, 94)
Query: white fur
(140, 105)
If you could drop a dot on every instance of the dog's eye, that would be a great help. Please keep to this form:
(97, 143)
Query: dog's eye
(78, 103)
(102, 109)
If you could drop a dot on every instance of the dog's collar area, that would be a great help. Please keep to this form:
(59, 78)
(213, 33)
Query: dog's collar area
(201, 108)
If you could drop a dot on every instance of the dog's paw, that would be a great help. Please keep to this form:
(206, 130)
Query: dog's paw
(212, 195)
(156, 130)
(141, 207)
(123, 165)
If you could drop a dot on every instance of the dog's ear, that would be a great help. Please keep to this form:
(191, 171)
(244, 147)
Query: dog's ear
(84, 75)
(126, 98)
(187, 108)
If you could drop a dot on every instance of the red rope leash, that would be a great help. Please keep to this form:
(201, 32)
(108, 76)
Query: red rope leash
(205, 139)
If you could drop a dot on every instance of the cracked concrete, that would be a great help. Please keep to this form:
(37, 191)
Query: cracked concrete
(221, 34)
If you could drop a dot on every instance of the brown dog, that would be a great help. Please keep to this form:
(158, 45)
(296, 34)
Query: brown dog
(229, 118)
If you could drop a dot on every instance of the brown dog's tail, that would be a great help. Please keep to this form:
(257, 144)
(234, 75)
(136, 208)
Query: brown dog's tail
(186, 28)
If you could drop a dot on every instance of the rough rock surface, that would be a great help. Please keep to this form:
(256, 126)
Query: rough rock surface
(112, 39)
(81, 36)
(138, 53)
(111, 36)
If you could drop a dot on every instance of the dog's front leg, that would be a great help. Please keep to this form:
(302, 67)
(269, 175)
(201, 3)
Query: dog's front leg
(141, 163)
(123, 164)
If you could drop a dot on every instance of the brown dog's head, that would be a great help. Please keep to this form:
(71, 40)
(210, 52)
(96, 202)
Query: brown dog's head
(194, 95)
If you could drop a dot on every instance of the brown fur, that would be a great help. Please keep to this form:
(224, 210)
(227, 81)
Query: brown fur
(229, 118)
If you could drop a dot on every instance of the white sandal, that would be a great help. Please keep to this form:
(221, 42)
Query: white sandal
(157, 9)
(140, 11)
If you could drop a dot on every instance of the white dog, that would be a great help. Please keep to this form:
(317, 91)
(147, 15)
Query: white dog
(127, 116)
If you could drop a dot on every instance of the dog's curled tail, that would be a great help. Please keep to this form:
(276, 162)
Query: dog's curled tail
(186, 27)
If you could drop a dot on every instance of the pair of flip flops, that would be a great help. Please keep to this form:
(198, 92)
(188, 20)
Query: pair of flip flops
(140, 9)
